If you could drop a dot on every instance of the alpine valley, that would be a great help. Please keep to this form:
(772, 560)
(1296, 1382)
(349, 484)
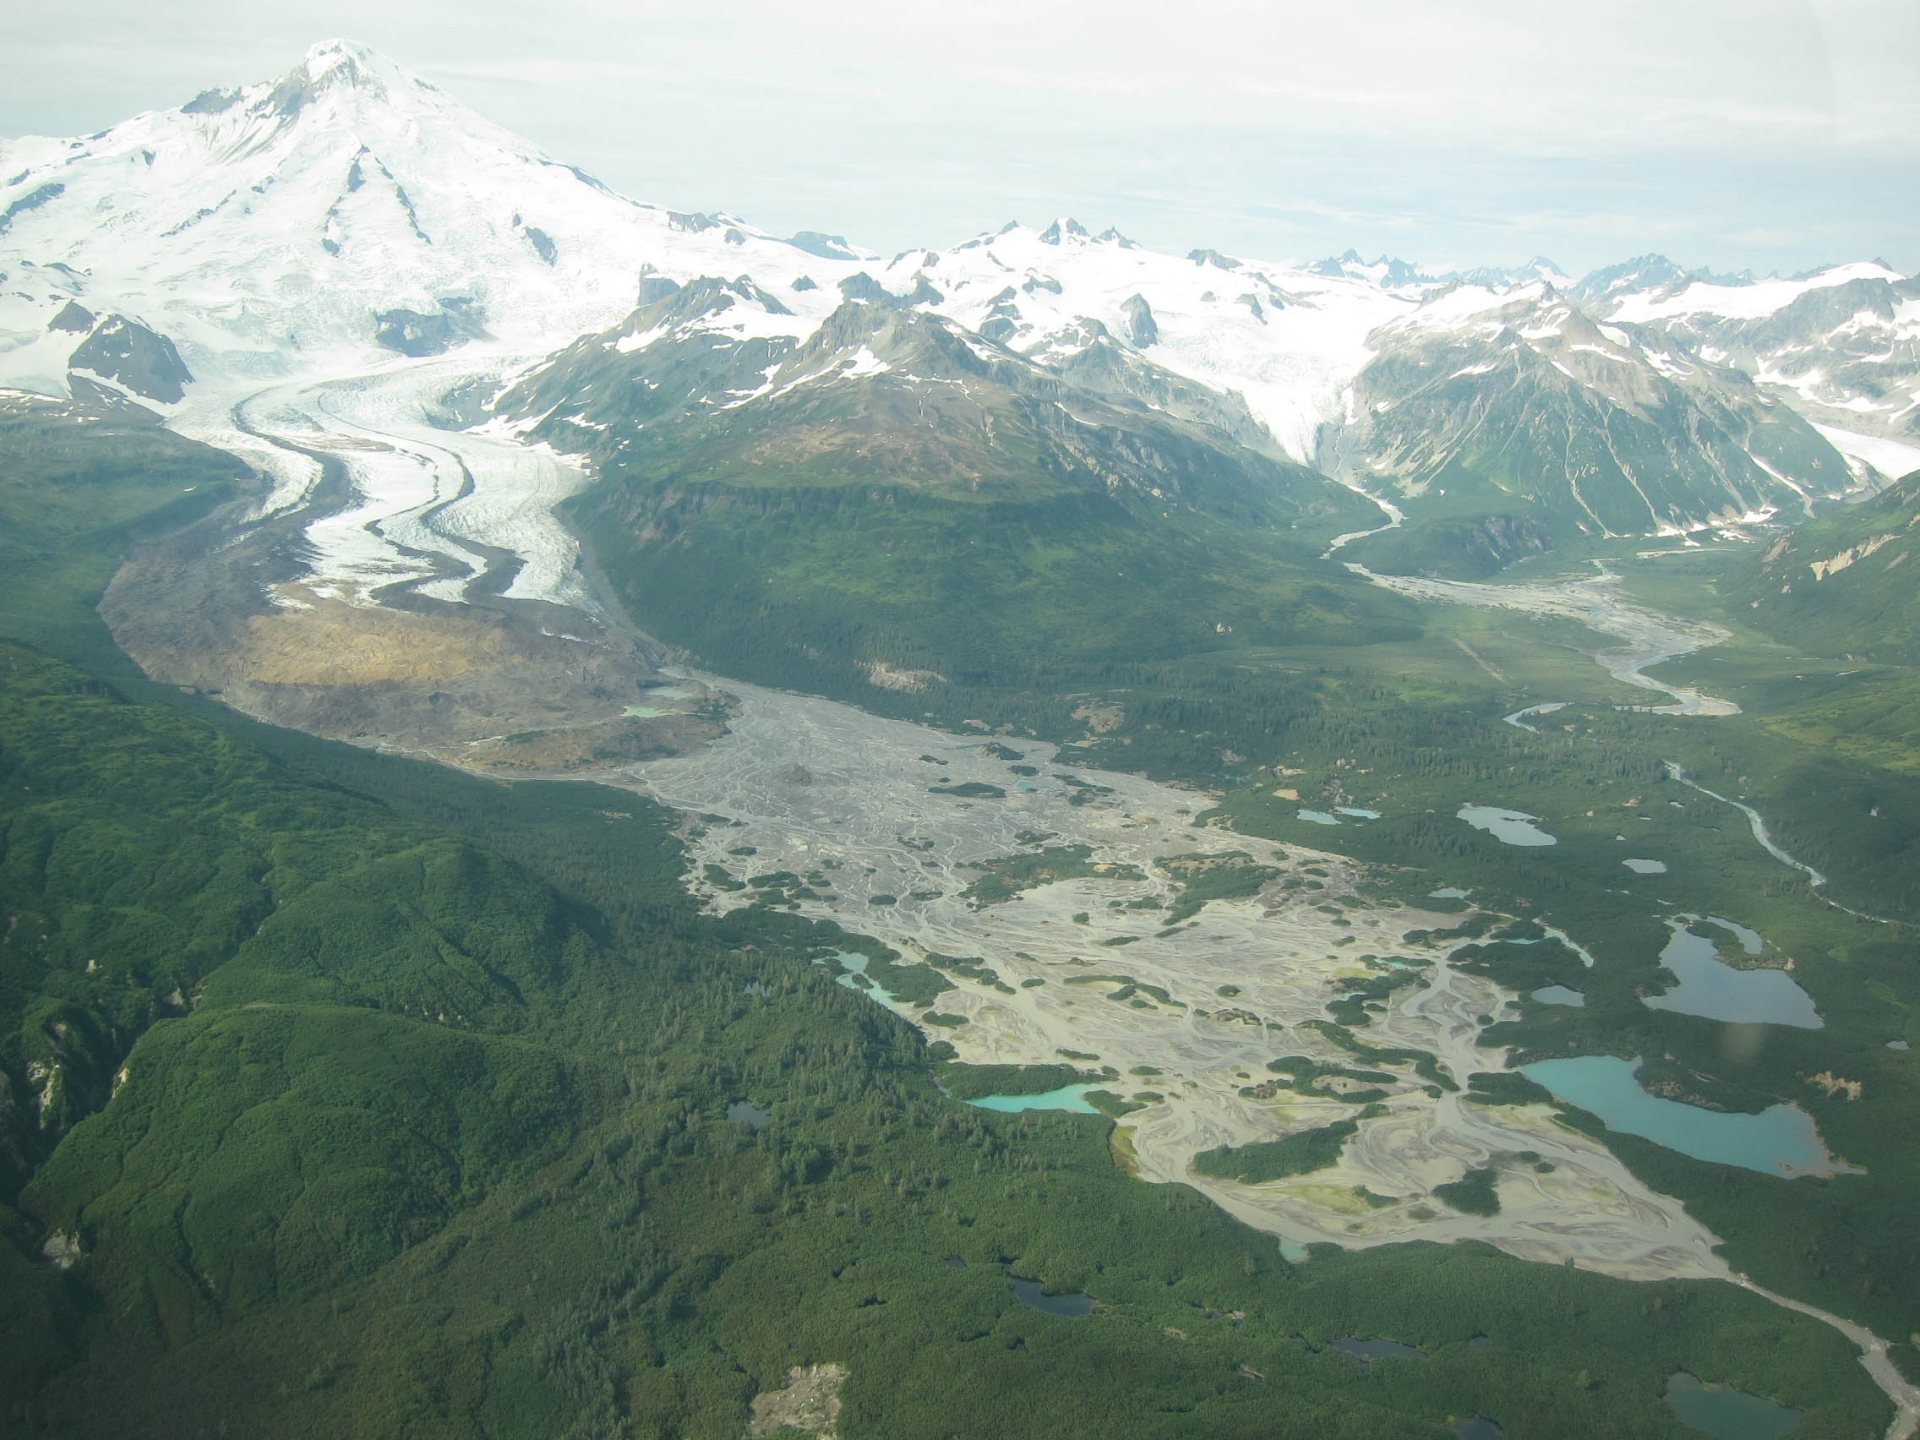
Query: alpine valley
(616, 825)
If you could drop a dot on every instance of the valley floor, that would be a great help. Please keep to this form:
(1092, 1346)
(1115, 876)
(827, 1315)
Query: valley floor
(1189, 1012)
(1011, 900)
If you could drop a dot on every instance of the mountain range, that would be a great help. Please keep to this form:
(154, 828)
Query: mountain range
(350, 216)
(398, 1087)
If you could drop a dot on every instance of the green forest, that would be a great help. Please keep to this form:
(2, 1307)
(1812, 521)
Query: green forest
(349, 1095)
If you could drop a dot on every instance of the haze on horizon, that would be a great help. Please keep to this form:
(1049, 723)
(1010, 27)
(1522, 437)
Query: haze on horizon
(1777, 135)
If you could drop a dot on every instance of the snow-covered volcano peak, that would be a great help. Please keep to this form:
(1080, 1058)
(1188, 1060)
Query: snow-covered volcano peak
(341, 86)
(353, 63)
(344, 79)
(343, 207)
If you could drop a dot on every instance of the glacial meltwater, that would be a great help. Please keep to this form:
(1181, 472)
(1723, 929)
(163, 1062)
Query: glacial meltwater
(1068, 1097)
(1715, 990)
(853, 968)
(1780, 1140)
(1726, 1413)
(1515, 827)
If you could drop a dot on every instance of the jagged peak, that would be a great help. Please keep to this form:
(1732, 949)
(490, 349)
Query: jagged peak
(1209, 256)
(664, 303)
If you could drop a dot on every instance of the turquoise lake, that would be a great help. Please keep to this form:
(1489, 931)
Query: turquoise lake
(1780, 1140)
(1068, 1097)
(852, 965)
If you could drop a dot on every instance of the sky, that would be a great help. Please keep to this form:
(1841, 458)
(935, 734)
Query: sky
(1762, 134)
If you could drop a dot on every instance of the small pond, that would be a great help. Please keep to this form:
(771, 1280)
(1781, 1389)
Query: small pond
(1559, 995)
(1726, 1413)
(1715, 990)
(745, 1112)
(1073, 1306)
(1780, 1140)
(1646, 867)
(1515, 827)
(1319, 817)
(1368, 1351)
(1357, 812)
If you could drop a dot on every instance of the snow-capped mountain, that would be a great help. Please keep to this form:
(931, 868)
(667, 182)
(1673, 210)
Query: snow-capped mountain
(1389, 272)
(1643, 274)
(718, 381)
(1539, 268)
(349, 218)
(1287, 341)
(931, 498)
(347, 205)
(1504, 401)
(1842, 344)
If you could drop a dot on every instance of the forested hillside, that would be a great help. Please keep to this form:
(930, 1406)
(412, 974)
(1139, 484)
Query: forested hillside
(379, 1099)
(1841, 584)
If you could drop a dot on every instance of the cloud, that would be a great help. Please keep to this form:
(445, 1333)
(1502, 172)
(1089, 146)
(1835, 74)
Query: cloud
(1723, 128)
(553, 72)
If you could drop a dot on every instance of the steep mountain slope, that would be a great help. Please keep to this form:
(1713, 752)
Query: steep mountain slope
(1842, 344)
(720, 381)
(1322, 357)
(1286, 341)
(348, 204)
(297, 270)
(889, 493)
(1844, 584)
(349, 217)
(1610, 285)
(1512, 403)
